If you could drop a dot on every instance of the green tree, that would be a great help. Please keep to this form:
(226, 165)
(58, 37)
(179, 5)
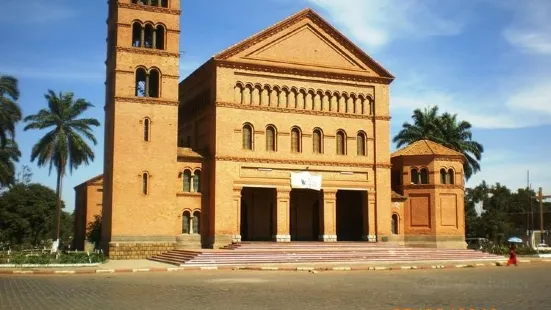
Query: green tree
(65, 142)
(446, 130)
(9, 155)
(25, 175)
(93, 231)
(10, 114)
(27, 213)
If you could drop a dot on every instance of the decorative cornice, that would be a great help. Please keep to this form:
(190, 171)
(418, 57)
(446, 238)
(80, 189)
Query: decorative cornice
(148, 8)
(188, 194)
(300, 162)
(146, 51)
(301, 72)
(432, 186)
(233, 105)
(148, 100)
(450, 158)
(122, 25)
(169, 76)
(318, 21)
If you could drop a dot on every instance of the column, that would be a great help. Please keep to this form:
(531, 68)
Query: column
(329, 231)
(372, 232)
(365, 216)
(147, 86)
(283, 220)
(236, 199)
(142, 37)
(154, 43)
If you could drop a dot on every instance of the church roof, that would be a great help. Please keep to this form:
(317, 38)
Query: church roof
(425, 147)
(96, 179)
(295, 19)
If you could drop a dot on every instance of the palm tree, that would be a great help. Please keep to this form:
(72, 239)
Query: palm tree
(10, 113)
(446, 130)
(63, 145)
(457, 136)
(425, 127)
(9, 154)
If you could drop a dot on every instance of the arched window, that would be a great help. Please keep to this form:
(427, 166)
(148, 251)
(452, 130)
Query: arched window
(154, 83)
(295, 140)
(160, 37)
(270, 139)
(317, 141)
(395, 223)
(341, 143)
(414, 176)
(187, 181)
(148, 83)
(196, 223)
(161, 3)
(443, 176)
(451, 176)
(197, 181)
(361, 144)
(136, 34)
(148, 36)
(146, 129)
(424, 176)
(247, 137)
(141, 78)
(186, 222)
(145, 183)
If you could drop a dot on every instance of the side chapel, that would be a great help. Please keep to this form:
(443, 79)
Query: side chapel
(207, 161)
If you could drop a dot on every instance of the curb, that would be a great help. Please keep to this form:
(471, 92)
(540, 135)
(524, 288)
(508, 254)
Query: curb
(255, 268)
(3, 266)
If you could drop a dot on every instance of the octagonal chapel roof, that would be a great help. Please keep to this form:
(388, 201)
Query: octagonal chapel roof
(425, 147)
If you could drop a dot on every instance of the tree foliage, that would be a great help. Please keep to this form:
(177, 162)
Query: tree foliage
(93, 231)
(10, 115)
(65, 143)
(503, 211)
(444, 129)
(27, 215)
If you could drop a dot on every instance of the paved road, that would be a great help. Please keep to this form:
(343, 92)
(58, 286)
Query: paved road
(524, 287)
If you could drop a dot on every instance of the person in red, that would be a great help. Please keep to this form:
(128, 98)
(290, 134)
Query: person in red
(512, 256)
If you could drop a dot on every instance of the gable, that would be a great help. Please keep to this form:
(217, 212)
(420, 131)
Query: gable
(305, 46)
(304, 41)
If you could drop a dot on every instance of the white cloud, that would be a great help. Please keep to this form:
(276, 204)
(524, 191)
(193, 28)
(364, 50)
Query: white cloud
(530, 29)
(33, 11)
(376, 23)
(527, 105)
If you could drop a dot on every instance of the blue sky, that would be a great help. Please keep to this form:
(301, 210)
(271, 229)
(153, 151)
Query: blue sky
(489, 61)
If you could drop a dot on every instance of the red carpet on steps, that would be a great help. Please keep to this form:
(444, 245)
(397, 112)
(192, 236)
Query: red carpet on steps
(248, 253)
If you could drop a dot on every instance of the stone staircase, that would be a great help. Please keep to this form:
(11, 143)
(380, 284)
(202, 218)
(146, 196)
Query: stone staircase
(261, 253)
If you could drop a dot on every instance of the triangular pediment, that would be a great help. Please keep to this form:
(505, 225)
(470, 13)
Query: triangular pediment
(304, 41)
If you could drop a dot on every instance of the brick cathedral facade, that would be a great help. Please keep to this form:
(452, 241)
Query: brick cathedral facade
(208, 161)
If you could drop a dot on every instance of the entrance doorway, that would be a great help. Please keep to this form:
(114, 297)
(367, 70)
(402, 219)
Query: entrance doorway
(349, 215)
(257, 213)
(305, 215)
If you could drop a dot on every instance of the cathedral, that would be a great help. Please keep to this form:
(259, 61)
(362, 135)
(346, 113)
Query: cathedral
(282, 137)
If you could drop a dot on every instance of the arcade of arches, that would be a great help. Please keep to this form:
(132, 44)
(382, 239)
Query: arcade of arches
(305, 213)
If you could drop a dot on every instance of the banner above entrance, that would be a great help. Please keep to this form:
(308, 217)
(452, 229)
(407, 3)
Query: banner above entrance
(305, 180)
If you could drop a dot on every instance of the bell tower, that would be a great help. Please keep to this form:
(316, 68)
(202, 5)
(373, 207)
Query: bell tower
(141, 124)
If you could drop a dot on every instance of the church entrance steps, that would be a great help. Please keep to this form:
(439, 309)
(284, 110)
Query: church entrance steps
(291, 253)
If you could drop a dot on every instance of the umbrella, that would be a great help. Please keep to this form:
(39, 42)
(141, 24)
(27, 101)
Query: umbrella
(515, 240)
